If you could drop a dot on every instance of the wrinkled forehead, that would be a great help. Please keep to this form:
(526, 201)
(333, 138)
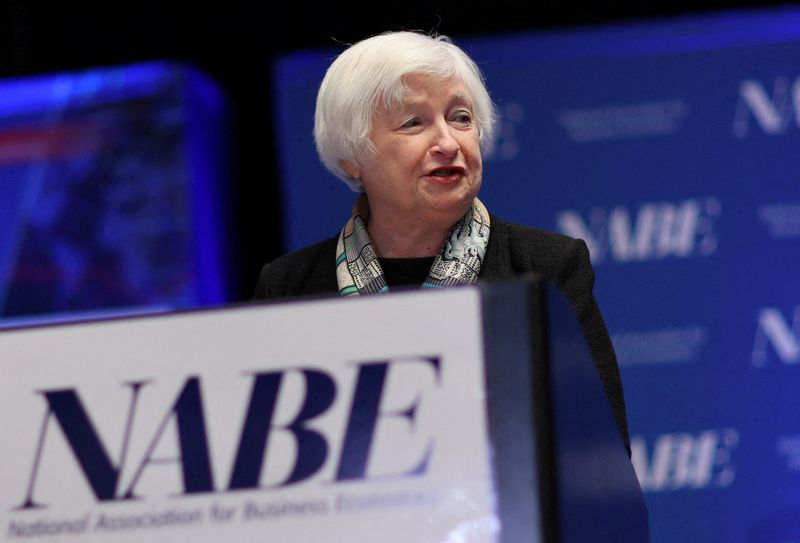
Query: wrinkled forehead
(416, 88)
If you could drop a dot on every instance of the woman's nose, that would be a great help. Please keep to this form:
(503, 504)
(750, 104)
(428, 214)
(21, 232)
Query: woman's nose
(444, 142)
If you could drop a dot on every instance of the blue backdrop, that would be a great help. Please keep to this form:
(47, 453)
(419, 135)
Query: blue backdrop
(673, 149)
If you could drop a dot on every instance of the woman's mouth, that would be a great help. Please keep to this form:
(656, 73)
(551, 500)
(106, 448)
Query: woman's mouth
(446, 175)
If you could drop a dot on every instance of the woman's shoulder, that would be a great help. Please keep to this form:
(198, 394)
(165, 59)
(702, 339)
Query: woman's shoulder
(534, 249)
(529, 234)
(565, 261)
(308, 271)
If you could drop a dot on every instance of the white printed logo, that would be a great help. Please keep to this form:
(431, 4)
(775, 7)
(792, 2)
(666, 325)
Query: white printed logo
(653, 231)
(505, 145)
(773, 110)
(774, 330)
(628, 121)
(685, 461)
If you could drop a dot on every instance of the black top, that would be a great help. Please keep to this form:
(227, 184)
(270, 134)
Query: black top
(513, 250)
(401, 272)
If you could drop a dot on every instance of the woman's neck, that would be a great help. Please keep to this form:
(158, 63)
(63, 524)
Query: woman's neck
(400, 234)
(407, 241)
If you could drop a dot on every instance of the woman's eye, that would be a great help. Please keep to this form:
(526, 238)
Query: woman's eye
(411, 123)
(463, 117)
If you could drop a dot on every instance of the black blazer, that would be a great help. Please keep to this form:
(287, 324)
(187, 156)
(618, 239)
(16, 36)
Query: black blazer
(513, 250)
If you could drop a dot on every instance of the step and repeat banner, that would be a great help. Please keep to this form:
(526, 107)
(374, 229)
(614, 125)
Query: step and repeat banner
(673, 149)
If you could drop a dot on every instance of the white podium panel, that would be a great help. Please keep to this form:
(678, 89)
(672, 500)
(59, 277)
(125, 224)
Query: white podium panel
(355, 420)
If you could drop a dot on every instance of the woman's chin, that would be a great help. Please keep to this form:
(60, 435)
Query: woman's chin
(453, 206)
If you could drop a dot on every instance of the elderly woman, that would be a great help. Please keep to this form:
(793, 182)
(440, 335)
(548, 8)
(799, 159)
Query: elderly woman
(402, 118)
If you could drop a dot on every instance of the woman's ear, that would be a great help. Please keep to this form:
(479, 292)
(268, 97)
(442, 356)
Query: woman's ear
(350, 168)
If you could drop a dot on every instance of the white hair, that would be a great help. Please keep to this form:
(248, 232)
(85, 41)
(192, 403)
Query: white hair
(375, 69)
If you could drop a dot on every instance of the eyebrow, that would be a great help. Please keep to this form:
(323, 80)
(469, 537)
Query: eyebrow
(456, 98)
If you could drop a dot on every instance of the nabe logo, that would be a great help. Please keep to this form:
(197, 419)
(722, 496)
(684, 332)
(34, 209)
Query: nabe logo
(685, 461)
(651, 231)
(774, 109)
(186, 421)
(775, 331)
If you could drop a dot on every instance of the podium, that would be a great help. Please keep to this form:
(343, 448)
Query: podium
(469, 414)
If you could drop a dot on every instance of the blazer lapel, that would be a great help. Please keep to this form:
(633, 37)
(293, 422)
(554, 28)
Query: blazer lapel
(497, 262)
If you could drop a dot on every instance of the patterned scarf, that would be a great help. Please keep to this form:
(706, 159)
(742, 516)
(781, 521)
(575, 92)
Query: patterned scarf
(359, 272)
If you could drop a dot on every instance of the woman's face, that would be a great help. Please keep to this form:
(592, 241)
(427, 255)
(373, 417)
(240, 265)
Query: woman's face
(427, 165)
